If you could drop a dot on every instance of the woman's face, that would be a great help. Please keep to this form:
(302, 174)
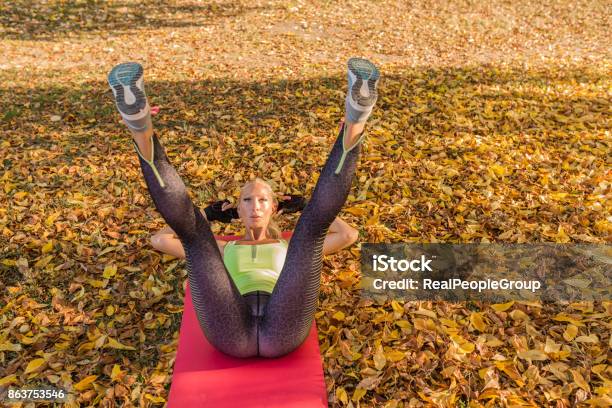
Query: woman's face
(256, 206)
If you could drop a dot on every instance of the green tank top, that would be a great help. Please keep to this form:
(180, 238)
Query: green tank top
(255, 267)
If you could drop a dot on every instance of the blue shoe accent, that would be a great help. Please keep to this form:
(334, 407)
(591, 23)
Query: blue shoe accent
(363, 77)
(127, 83)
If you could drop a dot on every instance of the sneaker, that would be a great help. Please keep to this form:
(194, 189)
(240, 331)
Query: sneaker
(127, 83)
(363, 77)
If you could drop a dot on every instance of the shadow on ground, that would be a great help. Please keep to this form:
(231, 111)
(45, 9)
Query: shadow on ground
(493, 134)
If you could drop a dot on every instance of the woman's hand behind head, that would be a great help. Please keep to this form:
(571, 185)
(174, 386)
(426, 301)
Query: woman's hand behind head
(223, 211)
(291, 203)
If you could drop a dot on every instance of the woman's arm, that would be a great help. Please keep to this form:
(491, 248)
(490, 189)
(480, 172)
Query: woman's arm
(339, 236)
(166, 241)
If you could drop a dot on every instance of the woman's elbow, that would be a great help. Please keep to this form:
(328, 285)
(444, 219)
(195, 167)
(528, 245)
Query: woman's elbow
(352, 236)
(157, 241)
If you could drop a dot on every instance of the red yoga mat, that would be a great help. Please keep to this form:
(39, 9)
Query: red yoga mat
(206, 377)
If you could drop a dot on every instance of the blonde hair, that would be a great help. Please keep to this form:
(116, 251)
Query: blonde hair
(273, 231)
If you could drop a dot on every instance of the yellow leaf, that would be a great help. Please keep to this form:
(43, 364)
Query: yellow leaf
(53, 378)
(112, 343)
(494, 342)
(9, 379)
(426, 312)
(462, 344)
(10, 347)
(373, 220)
(157, 400)
(466, 347)
(48, 247)
(167, 348)
(562, 317)
(109, 271)
(570, 332)
(448, 323)
(603, 401)
(65, 345)
(338, 316)
(8, 187)
(85, 383)
(43, 261)
(588, 339)
(557, 195)
(404, 324)
(97, 283)
(518, 315)
(34, 365)
(356, 211)
(599, 368)
(561, 236)
(99, 342)
(395, 356)
(110, 310)
(29, 340)
(107, 250)
(603, 226)
(477, 321)
(532, 355)
(397, 307)
(85, 346)
(483, 372)
(579, 380)
(116, 373)
(51, 219)
(509, 368)
(341, 395)
(498, 170)
(379, 358)
(502, 307)
(358, 394)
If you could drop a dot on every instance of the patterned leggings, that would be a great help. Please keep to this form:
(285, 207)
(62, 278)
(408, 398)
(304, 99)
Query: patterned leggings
(254, 325)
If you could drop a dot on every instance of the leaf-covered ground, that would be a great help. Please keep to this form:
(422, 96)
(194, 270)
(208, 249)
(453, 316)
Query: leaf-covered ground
(492, 125)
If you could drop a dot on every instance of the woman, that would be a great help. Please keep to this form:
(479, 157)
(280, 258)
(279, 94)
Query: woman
(253, 271)
(280, 322)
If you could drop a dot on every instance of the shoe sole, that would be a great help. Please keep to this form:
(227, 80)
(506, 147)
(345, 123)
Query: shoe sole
(127, 76)
(362, 71)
